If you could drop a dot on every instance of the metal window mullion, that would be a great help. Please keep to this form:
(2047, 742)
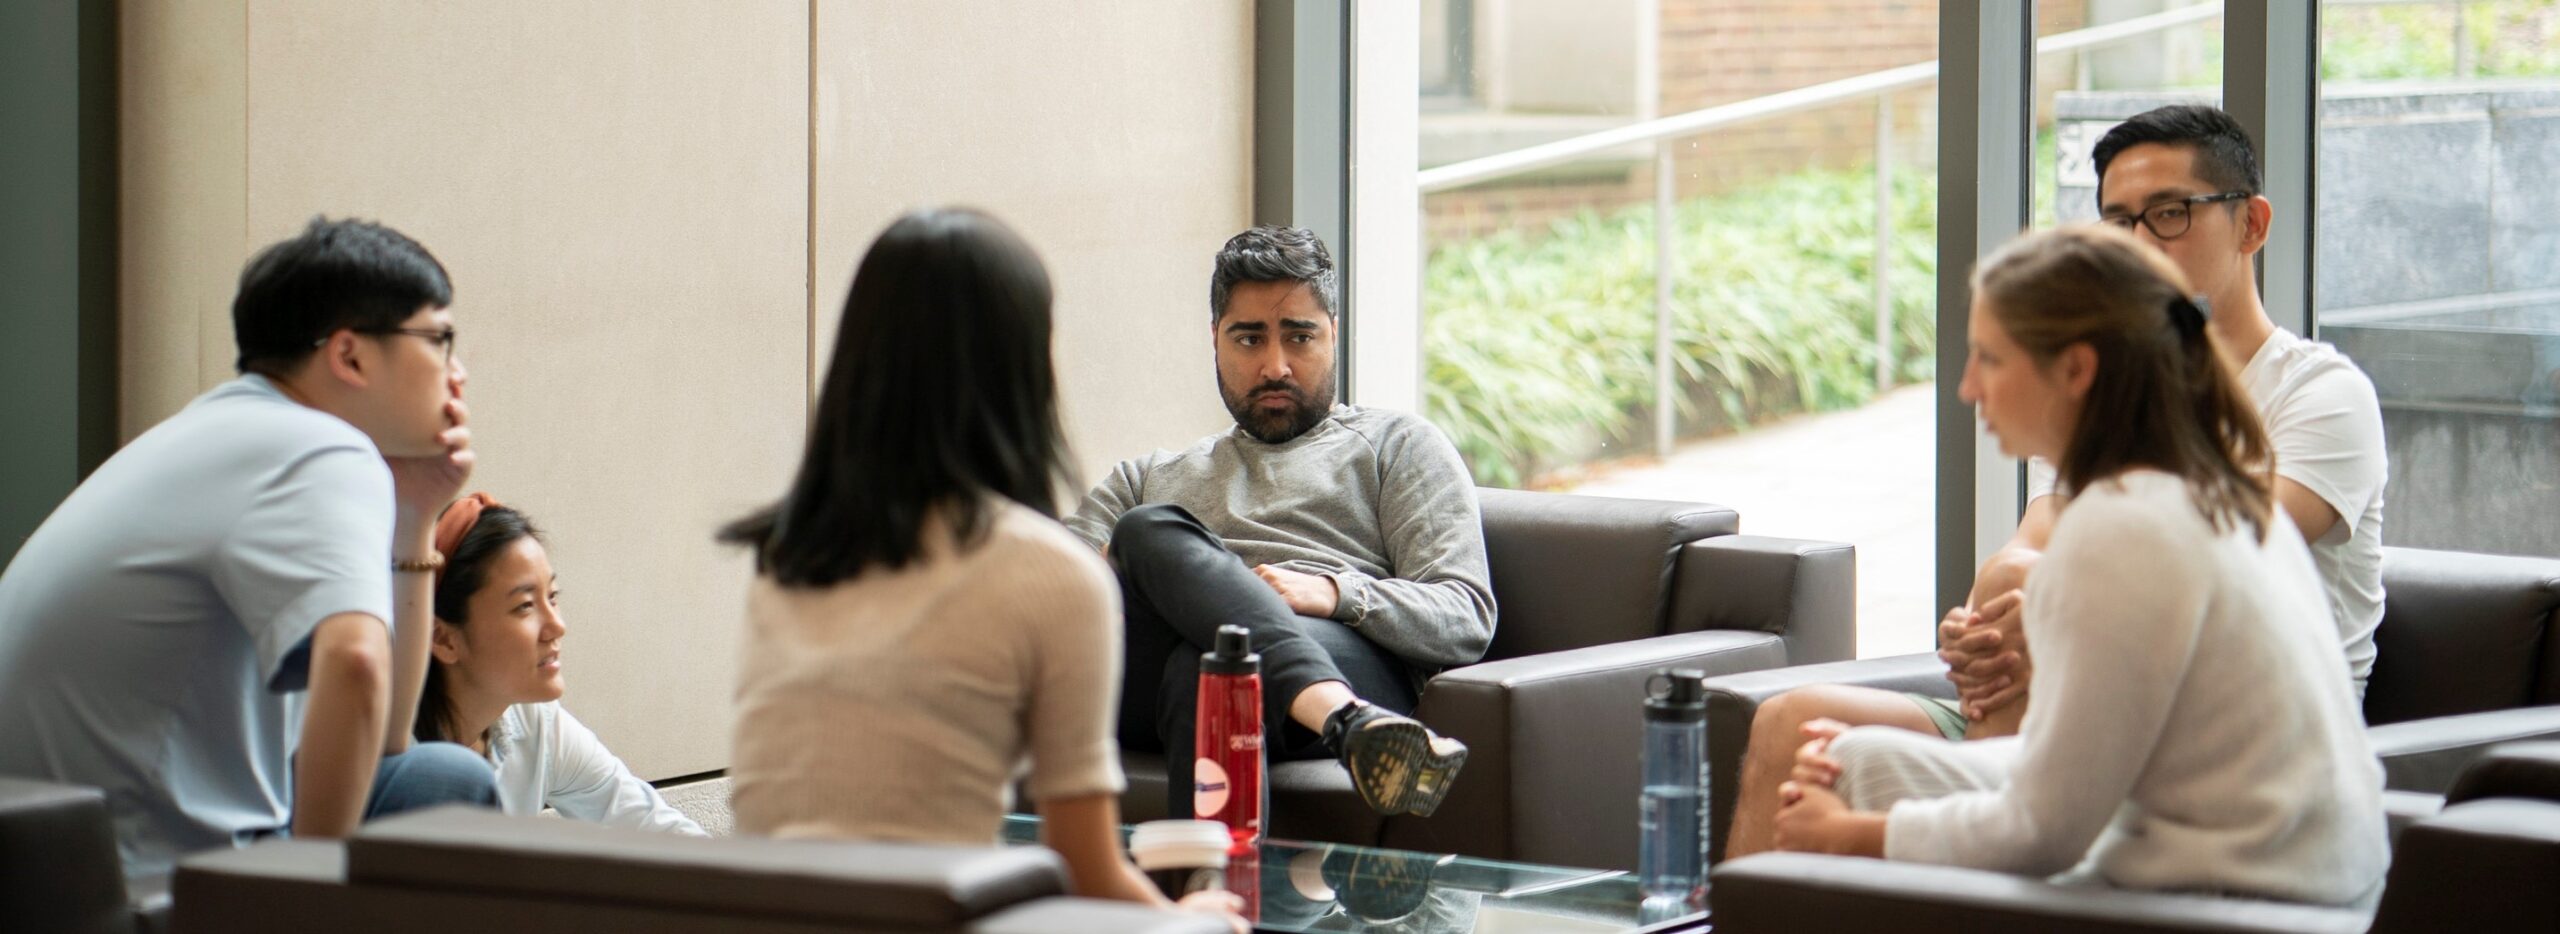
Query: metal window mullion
(1301, 123)
(1986, 66)
(2270, 83)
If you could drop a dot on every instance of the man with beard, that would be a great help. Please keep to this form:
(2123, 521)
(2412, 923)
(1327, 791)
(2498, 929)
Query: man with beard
(1346, 539)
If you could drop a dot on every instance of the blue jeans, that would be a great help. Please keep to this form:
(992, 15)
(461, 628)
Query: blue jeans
(430, 774)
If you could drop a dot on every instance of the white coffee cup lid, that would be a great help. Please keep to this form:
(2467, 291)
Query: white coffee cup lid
(1161, 843)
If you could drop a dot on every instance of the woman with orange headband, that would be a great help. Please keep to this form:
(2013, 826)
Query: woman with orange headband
(494, 685)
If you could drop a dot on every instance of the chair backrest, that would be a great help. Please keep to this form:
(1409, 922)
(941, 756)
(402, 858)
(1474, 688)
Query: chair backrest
(59, 870)
(2463, 633)
(1575, 571)
(860, 884)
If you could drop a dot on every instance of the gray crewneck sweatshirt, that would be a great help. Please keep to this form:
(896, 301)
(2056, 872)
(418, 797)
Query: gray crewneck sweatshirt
(1375, 499)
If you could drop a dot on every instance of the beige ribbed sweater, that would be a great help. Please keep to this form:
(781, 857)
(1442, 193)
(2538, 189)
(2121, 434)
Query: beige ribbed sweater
(900, 705)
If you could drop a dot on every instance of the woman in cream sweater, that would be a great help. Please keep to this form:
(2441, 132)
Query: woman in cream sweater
(2194, 727)
(920, 626)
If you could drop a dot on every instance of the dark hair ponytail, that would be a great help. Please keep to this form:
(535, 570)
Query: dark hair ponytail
(2163, 398)
(466, 568)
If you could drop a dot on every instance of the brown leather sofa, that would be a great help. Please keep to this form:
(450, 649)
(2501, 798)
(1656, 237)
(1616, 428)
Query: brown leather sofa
(455, 868)
(1595, 595)
(2487, 864)
(2467, 656)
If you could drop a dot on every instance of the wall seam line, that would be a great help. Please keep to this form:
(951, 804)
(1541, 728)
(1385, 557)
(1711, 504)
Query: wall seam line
(809, 265)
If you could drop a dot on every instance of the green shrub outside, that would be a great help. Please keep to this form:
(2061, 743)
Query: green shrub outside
(1539, 346)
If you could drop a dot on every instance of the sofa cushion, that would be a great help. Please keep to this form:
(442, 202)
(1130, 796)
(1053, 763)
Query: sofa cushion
(2462, 633)
(1575, 571)
(890, 885)
(2480, 866)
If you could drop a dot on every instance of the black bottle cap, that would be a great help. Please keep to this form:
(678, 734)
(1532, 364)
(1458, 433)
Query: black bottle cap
(1233, 654)
(1676, 695)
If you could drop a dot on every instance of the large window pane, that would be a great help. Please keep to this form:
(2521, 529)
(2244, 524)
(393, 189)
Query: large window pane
(2437, 261)
(2082, 92)
(1800, 390)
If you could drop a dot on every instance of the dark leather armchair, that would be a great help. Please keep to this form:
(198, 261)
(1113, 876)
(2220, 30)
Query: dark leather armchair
(1595, 595)
(2467, 656)
(58, 865)
(436, 870)
(2485, 864)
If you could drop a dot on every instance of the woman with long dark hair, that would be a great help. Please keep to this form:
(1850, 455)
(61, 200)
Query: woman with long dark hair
(494, 680)
(920, 624)
(2195, 728)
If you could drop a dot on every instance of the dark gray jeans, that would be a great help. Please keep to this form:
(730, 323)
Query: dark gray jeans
(1178, 584)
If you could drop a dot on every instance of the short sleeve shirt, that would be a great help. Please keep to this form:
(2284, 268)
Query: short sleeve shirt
(2326, 424)
(153, 626)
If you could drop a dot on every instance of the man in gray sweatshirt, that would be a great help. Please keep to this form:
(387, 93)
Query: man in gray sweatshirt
(1346, 539)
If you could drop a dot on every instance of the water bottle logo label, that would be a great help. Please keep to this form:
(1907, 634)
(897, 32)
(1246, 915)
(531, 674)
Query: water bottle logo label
(1209, 789)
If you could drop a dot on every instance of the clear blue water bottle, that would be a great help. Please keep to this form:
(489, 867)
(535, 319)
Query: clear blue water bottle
(1671, 868)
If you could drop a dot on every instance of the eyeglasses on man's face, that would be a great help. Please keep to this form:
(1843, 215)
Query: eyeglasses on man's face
(2169, 220)
(442, 337)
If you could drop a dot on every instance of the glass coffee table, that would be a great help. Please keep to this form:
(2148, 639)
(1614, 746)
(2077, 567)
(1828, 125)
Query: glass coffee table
(1301, 886)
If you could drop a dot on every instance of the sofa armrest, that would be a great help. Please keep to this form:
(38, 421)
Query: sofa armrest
(1805, 591)
(462, 849)
(1552, 768)
(2428, 755)
(1732, 701)
(1778, 892)
(2513, 770)
(2481, 866)
(63, 872)
(1070, 915)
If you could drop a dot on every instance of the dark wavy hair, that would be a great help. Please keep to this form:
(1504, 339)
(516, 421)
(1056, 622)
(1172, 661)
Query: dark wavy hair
(1273, 254)
(939, 394)
(2162, 398)
(465, 570)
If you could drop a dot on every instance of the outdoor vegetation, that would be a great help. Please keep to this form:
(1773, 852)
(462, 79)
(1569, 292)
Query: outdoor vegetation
(2505, 39)
(1538, 341)
(1539, 344)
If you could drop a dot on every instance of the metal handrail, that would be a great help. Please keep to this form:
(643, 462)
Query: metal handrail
(1871, 84)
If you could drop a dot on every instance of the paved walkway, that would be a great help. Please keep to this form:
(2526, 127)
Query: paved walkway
(1865, 476)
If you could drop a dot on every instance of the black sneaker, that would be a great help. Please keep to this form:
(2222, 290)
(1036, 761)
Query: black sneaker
(1398, 765)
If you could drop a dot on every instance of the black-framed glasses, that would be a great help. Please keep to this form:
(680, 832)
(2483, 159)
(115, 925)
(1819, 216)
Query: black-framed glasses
(442, 337)
(2169, 220)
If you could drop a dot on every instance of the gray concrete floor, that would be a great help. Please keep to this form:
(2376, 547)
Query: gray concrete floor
(1865, 476)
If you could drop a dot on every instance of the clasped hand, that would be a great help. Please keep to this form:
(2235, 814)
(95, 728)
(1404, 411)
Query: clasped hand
(1983, 649)
(1811, 816)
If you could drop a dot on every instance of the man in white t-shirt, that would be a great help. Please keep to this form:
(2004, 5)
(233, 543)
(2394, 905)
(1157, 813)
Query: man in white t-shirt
(273, 538)
(2183, 178)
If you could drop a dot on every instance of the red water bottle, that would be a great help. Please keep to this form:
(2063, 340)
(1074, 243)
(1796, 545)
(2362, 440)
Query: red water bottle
(1226, 774)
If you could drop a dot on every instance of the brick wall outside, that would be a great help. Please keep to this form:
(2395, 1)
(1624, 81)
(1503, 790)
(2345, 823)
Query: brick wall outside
(1721, 51)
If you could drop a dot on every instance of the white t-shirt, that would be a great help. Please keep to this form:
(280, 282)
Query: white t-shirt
(545, 758)
(2203, 736)
(151, 629)
(2326, 424)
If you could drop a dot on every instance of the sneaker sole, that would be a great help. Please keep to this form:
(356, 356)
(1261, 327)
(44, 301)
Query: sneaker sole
(1396, 770)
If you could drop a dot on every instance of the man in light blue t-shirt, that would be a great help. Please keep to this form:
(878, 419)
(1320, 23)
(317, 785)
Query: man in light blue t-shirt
(271, 538)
